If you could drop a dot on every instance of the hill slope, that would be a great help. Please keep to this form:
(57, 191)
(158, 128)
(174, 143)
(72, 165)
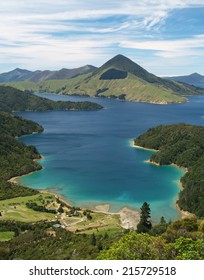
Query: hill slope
(15, 100)
(119, 78)
(19, 75)
(191, 79)
(15, 157)
(182, 145)
(122, 78)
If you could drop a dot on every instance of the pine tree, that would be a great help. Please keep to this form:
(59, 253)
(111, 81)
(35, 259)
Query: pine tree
(144, 224)
(93, 239)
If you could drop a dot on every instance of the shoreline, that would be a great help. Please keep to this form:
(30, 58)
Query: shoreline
(14, 180)
(132, 144)
(129, 217)
(183, 214)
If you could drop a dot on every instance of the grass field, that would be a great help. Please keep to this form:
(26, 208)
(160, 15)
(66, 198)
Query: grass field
(6, 235)
(15, 208)
(134, 88)
(99, 223)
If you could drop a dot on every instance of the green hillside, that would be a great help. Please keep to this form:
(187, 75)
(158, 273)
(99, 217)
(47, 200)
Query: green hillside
(119, 78)
(15, 157)
(12, 99)
(130, 88)
(49, 86)
(29, 229)
(16, 126)
(182, 145)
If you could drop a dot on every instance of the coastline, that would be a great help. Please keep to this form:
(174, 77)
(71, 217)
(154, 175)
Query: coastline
(129, 218)
(132, 144)
(14, 180)
(184, 214)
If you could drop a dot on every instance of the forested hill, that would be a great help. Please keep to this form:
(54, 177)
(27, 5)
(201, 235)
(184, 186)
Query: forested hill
(16, 126)
(15, 100)
(15, 157)
(183, 145)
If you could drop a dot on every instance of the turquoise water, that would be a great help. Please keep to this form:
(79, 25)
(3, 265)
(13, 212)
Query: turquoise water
(88, 156)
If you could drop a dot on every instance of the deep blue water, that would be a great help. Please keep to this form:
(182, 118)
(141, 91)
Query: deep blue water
(89, 159)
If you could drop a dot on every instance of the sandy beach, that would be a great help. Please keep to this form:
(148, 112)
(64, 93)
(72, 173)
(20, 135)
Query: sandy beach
(142, 148)
(102, 208)
(129, 218)
(14, 180)
(152, 162)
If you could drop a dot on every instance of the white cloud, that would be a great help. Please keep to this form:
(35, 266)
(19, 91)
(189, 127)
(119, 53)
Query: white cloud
(170, 48)
(51, 34)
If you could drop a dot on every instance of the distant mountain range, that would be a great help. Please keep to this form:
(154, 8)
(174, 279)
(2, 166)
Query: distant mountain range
(19, 75)
(119, 78)
(192, 79)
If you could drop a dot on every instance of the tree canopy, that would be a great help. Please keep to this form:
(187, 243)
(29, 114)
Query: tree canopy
(144, 224)
(12, 99)
(183, 145)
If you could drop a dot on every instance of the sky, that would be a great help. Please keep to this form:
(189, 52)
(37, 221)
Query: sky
(166, 37)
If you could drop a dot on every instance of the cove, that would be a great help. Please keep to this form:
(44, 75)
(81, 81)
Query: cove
(89, 159)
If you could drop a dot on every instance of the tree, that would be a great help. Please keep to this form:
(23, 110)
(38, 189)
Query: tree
(162, 221)
(134, 246)
(93, 239)
(159, 228)
(60, 209)
(144, 224)
(188, 249)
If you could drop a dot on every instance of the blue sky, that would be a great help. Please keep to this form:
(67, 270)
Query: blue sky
(164, 37)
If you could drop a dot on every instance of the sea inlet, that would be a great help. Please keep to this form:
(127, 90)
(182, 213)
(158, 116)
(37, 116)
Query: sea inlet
(89, 157)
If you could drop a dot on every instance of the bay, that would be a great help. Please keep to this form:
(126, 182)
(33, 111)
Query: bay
(89, 159)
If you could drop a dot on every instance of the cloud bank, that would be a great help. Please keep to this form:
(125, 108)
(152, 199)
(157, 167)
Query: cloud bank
(48, 34)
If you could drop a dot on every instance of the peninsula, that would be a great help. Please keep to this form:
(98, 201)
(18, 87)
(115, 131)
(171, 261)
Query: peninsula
(180, 144)
(12, 99)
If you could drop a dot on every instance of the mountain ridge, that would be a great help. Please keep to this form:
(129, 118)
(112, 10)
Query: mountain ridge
(20, 75)
(119, 78)
(128, 80)
(194, 78)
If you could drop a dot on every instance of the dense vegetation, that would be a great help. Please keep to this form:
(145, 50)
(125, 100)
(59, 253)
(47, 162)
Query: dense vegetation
(16, 126)
(43, 240)
(113, 74)
(179, 240)
(184, 239)
(182, 145)
(12, 99)
(15, 157)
